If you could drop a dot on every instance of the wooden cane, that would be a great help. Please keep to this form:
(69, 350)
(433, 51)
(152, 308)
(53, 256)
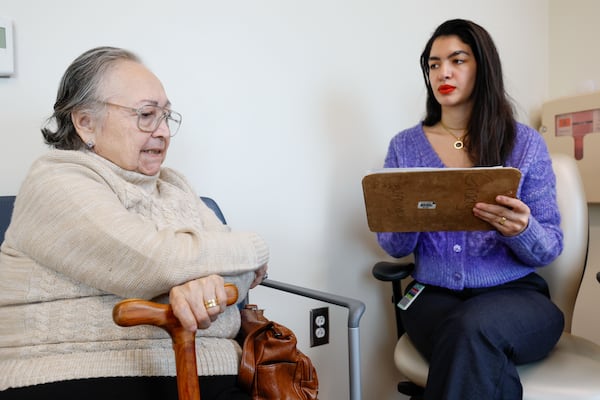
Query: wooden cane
(133, 312)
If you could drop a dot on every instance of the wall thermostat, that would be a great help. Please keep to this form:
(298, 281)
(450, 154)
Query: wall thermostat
(7, 50)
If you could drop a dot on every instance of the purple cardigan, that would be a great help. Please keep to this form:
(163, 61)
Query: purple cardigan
(458, 260)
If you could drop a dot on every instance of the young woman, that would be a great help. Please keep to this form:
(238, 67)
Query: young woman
(484, 310)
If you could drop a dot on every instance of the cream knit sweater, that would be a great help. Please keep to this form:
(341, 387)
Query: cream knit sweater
(86, 234)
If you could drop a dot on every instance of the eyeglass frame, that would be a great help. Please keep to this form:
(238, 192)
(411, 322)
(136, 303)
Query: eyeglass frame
(166, 115)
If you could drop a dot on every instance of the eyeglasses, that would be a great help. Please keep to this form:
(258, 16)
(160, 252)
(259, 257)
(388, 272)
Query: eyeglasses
(149, 117)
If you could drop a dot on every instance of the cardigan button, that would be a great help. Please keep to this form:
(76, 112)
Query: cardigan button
(457, 248)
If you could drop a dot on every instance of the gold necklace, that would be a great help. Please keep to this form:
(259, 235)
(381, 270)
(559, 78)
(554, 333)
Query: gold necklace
(459, 139)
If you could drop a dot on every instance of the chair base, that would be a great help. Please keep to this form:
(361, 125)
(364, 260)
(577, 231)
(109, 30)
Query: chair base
(410, 389)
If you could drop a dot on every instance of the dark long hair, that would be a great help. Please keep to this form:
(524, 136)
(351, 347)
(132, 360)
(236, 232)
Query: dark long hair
(491, 127)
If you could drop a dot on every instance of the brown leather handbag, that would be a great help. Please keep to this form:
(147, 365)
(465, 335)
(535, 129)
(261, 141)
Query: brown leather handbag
(272, 368)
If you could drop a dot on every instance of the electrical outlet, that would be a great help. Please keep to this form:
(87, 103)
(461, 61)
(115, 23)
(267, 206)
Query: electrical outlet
(319, 326)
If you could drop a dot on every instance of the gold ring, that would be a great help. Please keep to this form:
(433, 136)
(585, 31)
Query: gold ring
(502, 221)
(211, 303)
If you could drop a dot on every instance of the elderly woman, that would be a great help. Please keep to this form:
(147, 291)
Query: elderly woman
(98, 219)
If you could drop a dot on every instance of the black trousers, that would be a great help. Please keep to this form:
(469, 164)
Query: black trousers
(475, 338)
(126, 388)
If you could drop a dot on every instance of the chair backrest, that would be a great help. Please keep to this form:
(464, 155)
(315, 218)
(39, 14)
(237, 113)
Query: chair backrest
(6, 208)
(7, 203)
(215, 207)
(565, 274)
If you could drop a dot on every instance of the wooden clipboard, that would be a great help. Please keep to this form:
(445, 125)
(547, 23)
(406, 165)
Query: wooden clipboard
(426, 200)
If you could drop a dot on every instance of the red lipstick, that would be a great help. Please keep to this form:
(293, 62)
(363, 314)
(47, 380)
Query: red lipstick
(446, 89)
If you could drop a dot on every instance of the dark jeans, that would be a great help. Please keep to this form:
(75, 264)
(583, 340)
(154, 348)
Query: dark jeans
(474, 338)
(126, 388)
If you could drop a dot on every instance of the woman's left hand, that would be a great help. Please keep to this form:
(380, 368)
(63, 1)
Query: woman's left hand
(259, 276)
(510, 216)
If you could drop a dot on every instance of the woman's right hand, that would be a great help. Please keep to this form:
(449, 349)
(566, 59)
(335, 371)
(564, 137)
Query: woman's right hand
(198, 303)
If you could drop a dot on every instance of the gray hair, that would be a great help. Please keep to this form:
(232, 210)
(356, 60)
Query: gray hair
(78, 90)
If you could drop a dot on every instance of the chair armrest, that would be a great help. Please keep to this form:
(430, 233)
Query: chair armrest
(392, 271)
(355, 308)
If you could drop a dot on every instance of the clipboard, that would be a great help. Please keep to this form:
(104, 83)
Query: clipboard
(439, 199)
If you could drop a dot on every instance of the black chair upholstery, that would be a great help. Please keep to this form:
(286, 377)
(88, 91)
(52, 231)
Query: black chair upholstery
(215, 207)
(6, 208)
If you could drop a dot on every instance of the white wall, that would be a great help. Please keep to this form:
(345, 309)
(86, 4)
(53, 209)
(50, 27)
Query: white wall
(286, 104)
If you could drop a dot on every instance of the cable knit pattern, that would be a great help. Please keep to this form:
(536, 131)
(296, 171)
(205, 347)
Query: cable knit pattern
(458, 260)
(84, 235)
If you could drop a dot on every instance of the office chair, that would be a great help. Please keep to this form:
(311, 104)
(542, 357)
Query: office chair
(133, 312)
(572, 369)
